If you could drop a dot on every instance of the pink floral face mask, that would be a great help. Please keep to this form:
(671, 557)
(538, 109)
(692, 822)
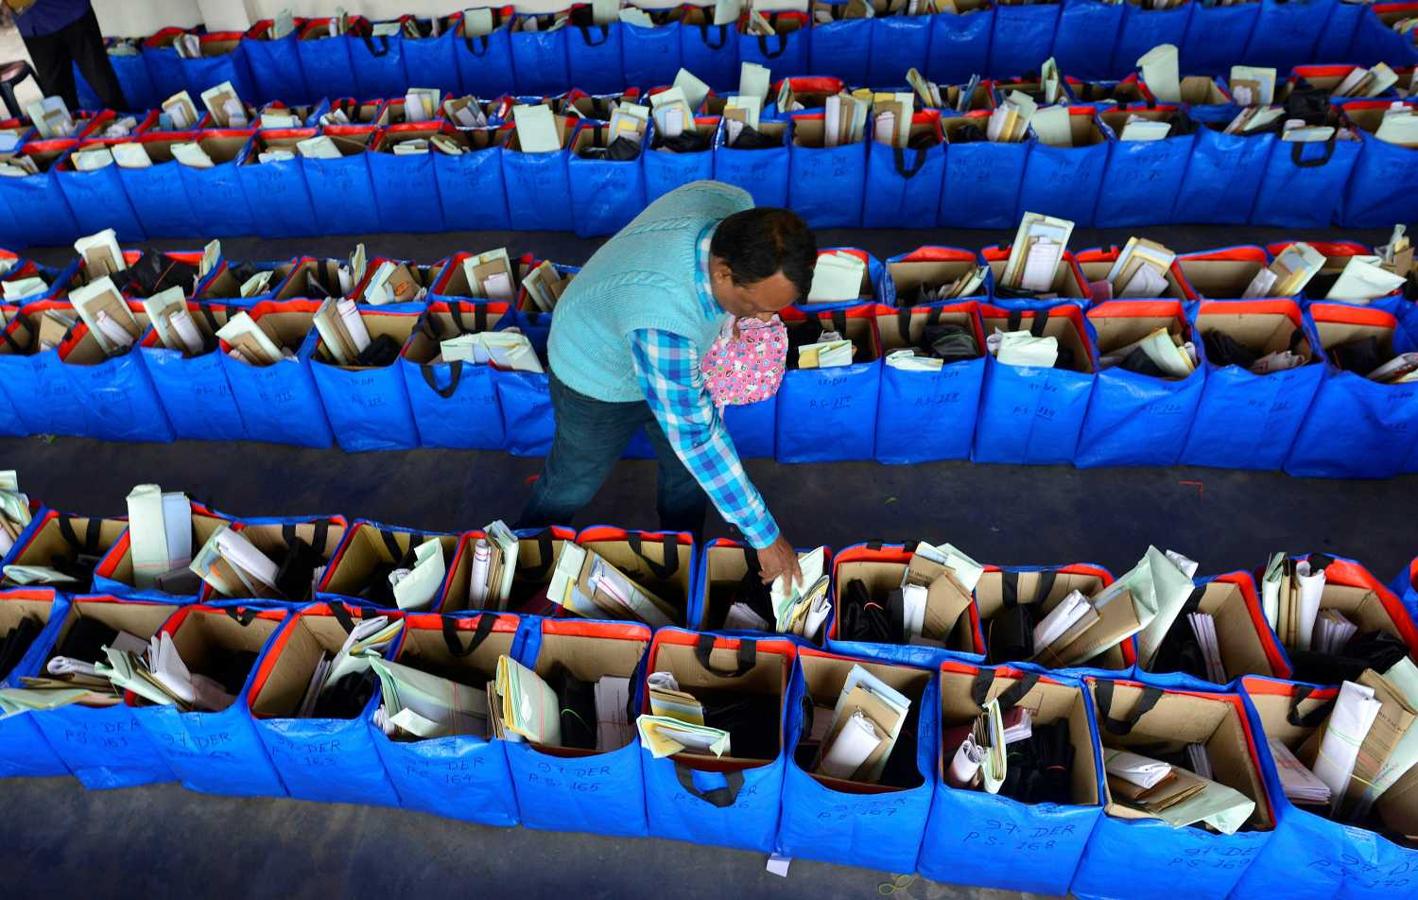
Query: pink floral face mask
(745, 364)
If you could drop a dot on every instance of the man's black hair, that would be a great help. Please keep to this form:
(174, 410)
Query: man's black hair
(757, 243)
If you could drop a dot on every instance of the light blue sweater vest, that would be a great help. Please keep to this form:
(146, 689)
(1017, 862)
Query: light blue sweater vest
(644, 277)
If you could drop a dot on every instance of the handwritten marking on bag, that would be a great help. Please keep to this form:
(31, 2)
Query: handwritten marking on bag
(845, 812)
(1370, 875)
(1223, 858)
(949, 398)
(1033, 839)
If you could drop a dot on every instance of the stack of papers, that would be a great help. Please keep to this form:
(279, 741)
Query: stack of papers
(844, 120)
(979, 760)
(927, 91)
(1175, 357)
(392, 283)
(416, 588)
(369, 639)
(672, 111)
(545, 284)
(838, 277)
(101, 253)
(1073, 615)
(1020, 348)
(21, 288)
(1288, 274)
(92, 160)
(342, 330)
(894, 113)
(51, 118)
(180, 112)
(1034, 257)
(1402, 369)
(1290, 598)
(14, 510)
(1204, 629)
(160, 676)
(421, 104)
(465, 112)
(802, 608)
(865, 726)
(830, 351)
(1141, 269)
(509, 350)
(1361, 82)
(629, 121)
(1009, 123)
(1354, 714)
(1053, 126)
(934, 594)
(113, 326)
(493, 567)
(225, 106)
(318, 147)
(159, 533)
(523, 707)
(1252, 85)
(676, 722)
(1050, 82)
(1254, 118)
(613, 728)
(1299, 783)
(1141, 128)
(233, 566)
(585, 584)
(419, 706)
(1332, 631)
(249, 342)
(1363, 279)
(538, 130)
(490, 274)
(1399, 125)
(1154, 789)
(1161, 73)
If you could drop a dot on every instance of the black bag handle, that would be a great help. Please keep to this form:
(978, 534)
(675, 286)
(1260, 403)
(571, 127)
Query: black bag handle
(480, 633)
(455, 374)
(901, 168)
(481, 38)
(663, 571)
(1041, 319)
(839, 322)
(369, 44)
(1008, 698)
(1319, 561)
(1297, 154)
(317, 540)
(1009, 584)
(539, 571)
(1311, 719)
(720, 797)
(903, 324)
(586, 34)
(242, 615)
(342, 615)
(1104, 695)
(747, 656)
(92, 532)
(723, 35)
(772, 54)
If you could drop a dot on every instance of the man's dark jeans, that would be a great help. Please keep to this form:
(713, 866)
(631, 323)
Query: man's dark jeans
(590, 436)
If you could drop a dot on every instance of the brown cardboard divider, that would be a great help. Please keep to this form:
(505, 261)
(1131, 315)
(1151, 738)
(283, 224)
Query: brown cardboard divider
(142, 620)
(587, 658)
(1098, 271)
(1242, 652)
(270, 539)
(1065, 280)
(204, 631)
(825, 676)
(1119, 331)
(1222, 279)
(49, 543)
(397, 326)
(1048, 702)
(224, 285)
(366, 551)
(768, 676)
(725, 568)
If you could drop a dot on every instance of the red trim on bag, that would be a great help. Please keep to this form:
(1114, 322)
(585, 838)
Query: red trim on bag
(30, 593)
(1331, 70)
(1288, 308)
(1327, 248)
(938, 253)
(810, 84)
(263, 27)
(1138, 309)
(610, 631)
(163, 37)
(1273, 654)
(1344, 314)
(611, 533)
(1269, 687)
(273, 656)
(956, 667)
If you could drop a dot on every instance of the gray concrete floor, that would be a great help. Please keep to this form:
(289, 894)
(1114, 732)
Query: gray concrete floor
(159, 841)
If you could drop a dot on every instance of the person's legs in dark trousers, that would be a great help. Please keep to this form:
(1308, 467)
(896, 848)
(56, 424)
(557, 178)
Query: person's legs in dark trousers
(681, 502)
(54, 67)
(590, 437)
(83, 44)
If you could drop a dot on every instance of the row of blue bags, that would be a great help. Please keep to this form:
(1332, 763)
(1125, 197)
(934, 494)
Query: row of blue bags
(1204, 176)
(1314, 420)
(1088, 38)
(258, 747)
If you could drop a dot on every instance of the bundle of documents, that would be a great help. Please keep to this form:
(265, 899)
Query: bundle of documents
(1153, 789)
(844, 120)
(672, 111)
(1391, 747)
(1299, 783)
(894, 112)
(585, 584)
(71, 675)
(629, 121)
(934, 595)
(523, 707)
(1169, 356)
(101, 306)
(18, 166)
(491, 275)
(392, 282)
(319, 147)
(188, 46)
(1363, 279)
(493, 567)
(1203, 627)
(1297, 131)
(51, 118)
(23, 288)
(1020, 348)
(1071, 617)
(1355, 713)
(369, 639)
(159, 533)
(740, 113)
(1402, 369)
(1253, 119)
(1362, 82)
(416, 705)
(225, 106)
(1009, 123)
(191, 153)
(465, 112)
(829, 351)
(342, 330)
(676, 722)
(14, 510)
(1161, 73)
(508, 350)
(53, 327)
(1291, 592)
(177, 330)
(538, 129)
(866, 724)
(416, 588)
(979, 760)
(1050, 82)
(160, 676)
(928, 91)
(92, 159)
(233, 566)
(250, 343)
(838, 277)
(1288, 274)
(101, 253)
(421, 104)
(180, 112)
(1332, 631)
(1399, 125)
(1034, 257)
(1141, 269)
(967, 285)
(1252, 85)
(1141, 128)
(802, 608)
(545, 284)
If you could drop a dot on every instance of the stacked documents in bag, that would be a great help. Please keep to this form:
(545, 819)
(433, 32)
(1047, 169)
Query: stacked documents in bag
(465, 112)
(159, 533)
(177, 330)
(416, 588)
(585, 584)
(113, 326)
(1020, 348)
(1254, 119)
(837, 278)
(493, 567)
(14, 510)
(508, 350)
(1368, 741)
(420, 104)
(416, 705)
(72, 675)
(1141, 269)
(160, 676)
(672, 112)
(392, 282)
(1161, 73)
(545, 284)
(927, 91)
(935, 593)
(250, 343)
(491, 275)
(801, 608)
(369, 639)
(101, 253)
(1203, 627)
(1291, 592)
(1252, 85)
(1168, 353)
(523, 707)
(1363, 279)
(234, 566)
(978, 761)
(92, 160)
(1009, 123)
(1034, 257)
(1399, 125)
(1299, 783)
(342, 330)
(1288, 274)
(180, 112)
(865, 726)
(844, 120)
(831, 350)
(676, 722)
(893, 113)
(51, 118)
(1362, 82)
(1150, 788)
(225, 106)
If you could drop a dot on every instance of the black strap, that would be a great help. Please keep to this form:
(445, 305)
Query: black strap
(242, 615)
(874, 545)
(1103, 693)
(901, 167)
(1297, 154)
(772, 54)
(391, 544)
(318, 539)
(92, 532)
(342, 615)
(1319, 562)
(369, 44)
(455, 375)
(544, 553)
(839, 321)
(663, 571)
(1041, 319)
(720, 797)
(903, 324)
(586, 35)
(210, 316)
(480, 633)
(1009, 587)
(723, 35)
(747, 656)
(1311, 719)
(1016, 318)
(1009, 697)
(481, 38)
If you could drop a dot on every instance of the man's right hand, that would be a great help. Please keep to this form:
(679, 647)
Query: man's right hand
(779, 558)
